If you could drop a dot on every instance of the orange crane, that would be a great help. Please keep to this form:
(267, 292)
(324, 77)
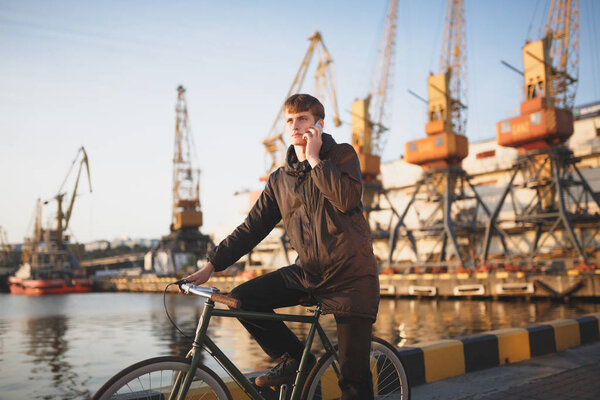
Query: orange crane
(444, 203)
(446, 144)
(274, 143)
(550, 74)
(559, 199)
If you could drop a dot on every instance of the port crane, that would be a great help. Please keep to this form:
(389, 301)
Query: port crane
(186, 176)
(275, 246)
(185, 244)
(445, 206)
(46, 249)
(552, 204)
(63, 218)
(325, 86)
(370, 120)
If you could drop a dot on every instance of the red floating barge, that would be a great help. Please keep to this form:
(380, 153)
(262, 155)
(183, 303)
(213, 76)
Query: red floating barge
(49, 286)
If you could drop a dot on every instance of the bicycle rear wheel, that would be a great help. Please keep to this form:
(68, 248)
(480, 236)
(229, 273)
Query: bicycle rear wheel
(389, 376)
(154, 378)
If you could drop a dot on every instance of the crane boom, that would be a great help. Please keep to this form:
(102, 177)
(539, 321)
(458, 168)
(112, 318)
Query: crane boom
(562, 26)
(274, 143)
(382, 80)
(84, 161)
(453, 63)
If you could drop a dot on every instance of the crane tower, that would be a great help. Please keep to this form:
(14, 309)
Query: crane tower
(185, 245)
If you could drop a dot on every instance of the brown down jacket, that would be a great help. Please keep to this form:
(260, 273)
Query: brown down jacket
(321, 212)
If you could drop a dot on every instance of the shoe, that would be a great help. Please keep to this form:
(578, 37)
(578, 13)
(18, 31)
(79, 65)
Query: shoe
(284, 372)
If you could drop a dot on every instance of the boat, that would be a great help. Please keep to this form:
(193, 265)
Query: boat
(49, 270)
(55, 284)
(48, 264)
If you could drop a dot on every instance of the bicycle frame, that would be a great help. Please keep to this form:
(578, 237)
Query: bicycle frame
(201, 340)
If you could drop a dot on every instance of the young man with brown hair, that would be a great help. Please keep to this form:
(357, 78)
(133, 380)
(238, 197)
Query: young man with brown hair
(317, 194)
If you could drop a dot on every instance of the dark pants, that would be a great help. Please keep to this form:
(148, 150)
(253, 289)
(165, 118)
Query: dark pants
(268, 292)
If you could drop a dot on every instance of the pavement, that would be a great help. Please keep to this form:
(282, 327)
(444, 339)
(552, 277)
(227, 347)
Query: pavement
(572, 374)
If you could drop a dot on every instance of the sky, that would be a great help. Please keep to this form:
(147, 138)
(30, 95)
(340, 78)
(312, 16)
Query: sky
(103, 75)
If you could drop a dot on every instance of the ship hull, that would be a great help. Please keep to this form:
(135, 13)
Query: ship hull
(36, 287)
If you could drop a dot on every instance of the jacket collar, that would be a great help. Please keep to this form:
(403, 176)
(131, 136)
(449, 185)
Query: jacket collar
(296, 168)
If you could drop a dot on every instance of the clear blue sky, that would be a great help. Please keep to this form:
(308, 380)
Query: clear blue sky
(103, 74)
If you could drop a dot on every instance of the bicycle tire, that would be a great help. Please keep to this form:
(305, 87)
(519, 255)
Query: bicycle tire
(389, 377)
(152, 378)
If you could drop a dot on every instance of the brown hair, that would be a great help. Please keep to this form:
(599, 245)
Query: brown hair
(305, 102)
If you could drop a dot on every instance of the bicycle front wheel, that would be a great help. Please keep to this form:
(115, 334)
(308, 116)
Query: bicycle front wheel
(389, 376)
(154, 379)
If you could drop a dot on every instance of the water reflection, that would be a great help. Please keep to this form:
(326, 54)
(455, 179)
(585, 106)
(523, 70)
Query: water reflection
(184, 316)
(65, 347)
(47, 352)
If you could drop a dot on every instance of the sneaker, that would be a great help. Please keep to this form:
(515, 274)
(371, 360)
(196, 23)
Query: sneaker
(284, 372)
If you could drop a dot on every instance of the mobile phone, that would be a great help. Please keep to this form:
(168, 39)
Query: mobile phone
(316, 124)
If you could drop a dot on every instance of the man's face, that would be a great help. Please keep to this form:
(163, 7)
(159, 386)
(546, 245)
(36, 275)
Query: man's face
(297, 125)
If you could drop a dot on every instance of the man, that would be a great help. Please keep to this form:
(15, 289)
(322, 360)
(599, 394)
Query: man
(317, 194)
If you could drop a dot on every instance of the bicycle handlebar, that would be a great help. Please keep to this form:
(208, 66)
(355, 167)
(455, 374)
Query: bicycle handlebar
(210, 293)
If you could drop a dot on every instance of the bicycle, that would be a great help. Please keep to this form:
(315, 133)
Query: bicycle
(172, 377)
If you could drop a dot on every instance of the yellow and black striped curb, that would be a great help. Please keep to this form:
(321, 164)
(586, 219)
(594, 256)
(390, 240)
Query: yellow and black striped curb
(431, 361)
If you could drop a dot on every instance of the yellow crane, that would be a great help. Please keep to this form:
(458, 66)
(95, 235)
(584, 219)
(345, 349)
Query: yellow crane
(63, 218)
(370, 113)
(55, 239)
(325, 86)
(370, 121)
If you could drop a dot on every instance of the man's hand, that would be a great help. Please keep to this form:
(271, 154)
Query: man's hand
(313, 145)
(202, 275)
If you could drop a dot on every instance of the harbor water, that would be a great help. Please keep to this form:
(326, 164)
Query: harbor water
(66, 346)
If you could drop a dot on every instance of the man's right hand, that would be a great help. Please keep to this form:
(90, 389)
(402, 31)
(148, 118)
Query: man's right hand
(202, 275)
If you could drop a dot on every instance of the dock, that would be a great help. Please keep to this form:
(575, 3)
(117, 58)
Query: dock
(495, 285)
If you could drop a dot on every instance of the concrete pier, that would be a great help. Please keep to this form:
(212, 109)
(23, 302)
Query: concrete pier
(499, 284)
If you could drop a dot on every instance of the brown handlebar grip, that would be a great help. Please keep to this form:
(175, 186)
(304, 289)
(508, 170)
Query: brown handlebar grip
(228, 301)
